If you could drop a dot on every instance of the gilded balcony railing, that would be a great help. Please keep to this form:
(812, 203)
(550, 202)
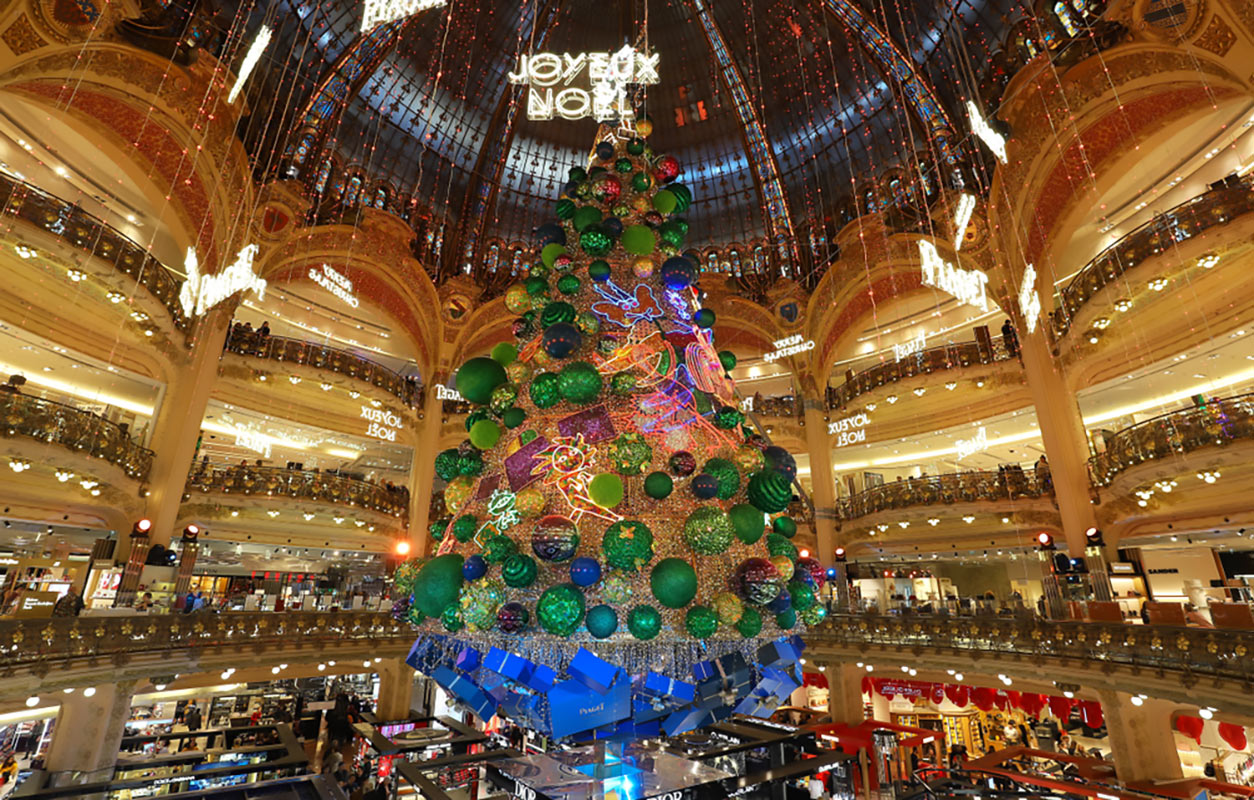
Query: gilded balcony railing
(1214, 424)
(1215, 207)
(1197, 651)
(924, 362)
(58, 639)
(96, 237)
(1012, 483)
(298, 484)
(74, 429)
(295, 351)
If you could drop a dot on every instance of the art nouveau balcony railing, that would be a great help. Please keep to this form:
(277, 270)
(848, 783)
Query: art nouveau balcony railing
(81, 431)
(925, 362)
(958, 487)
(55, 640)
(295, 351)
(298, 484)
(1201, 652)
(95, 237)
(1190, 218)
(1213, 425)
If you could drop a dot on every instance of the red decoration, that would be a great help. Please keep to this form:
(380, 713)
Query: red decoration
(957, 695)
(1032, 703)
(868, 684)
(938, 693)
(666, 169)
(1060, 707)
(1016, 698)
(1234, 735)
(984, 698)
(1191, 727)
(1091, 713)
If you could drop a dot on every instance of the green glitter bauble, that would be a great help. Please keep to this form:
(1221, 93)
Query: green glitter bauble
(504, 354)
(728, 417)
(623, 165)
(616, 588)
(579, 382)
(630, 452)
(451, 619)
(814, 615)
(557, 311)
(519, 570)
(414, 615)
(628, 545)
(479, 602)
(748, 522)
(484, 434)
(749, 459)
(673, 582)
(641, 181)
(607, 345)
(599, 270)
(464, 527)
(802, 595)
(786, 620)
(606, 490)
(538, 270)
(638, 240)
(516, 298)
(544, 390)
(588, 323)
(644, 622)
(565, 208)
(585, 216)
(750, 623)
(568, 284)
(560, 609)
(785, 526)
(475, 416)
(503, 397)
(770, 491)
(470, 463)
(527, 437)
(635, 147)
(446, 464)
(726, 474)
(727, 359)
(602, 621)
(683, 196)
(498, 548)
(536, 286)
(621, 210)
(658, 485)
(514, 417)
(478, 377)
(777, 545)
(623, 383)
(595, 241)
(438, 528)
(438, 584)
(701, 622)
(708, 530)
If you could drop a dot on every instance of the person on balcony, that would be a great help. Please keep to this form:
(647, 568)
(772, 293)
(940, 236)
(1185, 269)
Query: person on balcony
(14, 384)
(1010, 338)
(68, 605)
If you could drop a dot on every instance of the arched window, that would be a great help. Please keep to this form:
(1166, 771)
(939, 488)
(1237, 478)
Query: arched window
(352, 191)
(324, 175)
(493, 259)
(759, 259)
(711, 262)
(1065, 16)
(381, 198)
(302, 148)
(735, 262)
(516, 264)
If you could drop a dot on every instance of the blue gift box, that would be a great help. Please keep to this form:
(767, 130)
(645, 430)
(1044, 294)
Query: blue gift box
(627, 731)
(511, 666)
(425, 655)
(684, 720)
(541, 679)
(778, 682)
(522, 708)
(494, 686)
(782, 651)
(738, 682)
(757, 706)
(469, 692)
(644, 711)
(721, 666)
(574, 708)
(656, 684)
(467, 660)
(595, 673)
(444, 676)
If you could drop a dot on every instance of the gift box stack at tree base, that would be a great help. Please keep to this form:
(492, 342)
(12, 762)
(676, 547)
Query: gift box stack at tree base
(610, 494)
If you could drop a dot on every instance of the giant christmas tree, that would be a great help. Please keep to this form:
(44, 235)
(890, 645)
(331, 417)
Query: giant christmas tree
(610, 493)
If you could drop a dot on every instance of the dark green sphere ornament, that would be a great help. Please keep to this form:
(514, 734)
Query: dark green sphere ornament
(599, 271)
(750, 624)
(641, 181)
(568, 284)
(701, 622)
(595, 241)
(708, 530)
(673, 582)
(438, 584)
(446, 464)
(787, 620)
(770, 491)
(577, 174)
(602, 621)
(519, 570)
(544, 390)
(726, 474)
(464, 527)
(627, 545)
(477, 378)
(630, 452)
(565, 208)
(777, 545)
(536, 286)
(585, 217)
(635, 146)
(728, 417)
(579, 382)
(514, 417)
(704, 318)
(498, 548)
(451, 618)
(727, 359)
(555, 312)
(560, 609)
(802, 595)
(644, 622)
(748, 522)
(470, 463)
(623, 165)
(658, 485)
(785, 526)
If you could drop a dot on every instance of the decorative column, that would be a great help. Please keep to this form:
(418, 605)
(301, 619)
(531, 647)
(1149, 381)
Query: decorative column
(87, 735)
(1051, 591)
(137, 554)
(1141, 739)
(396, 689)
(187, 560)
(422, 469)
(840, 583)
(822, 482)
(844, 693)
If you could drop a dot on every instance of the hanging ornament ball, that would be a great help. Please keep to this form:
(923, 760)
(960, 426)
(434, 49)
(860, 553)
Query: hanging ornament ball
(585, 571)
(630, 452)
(479, 602)
(705, 487)
(513, 417)
(664, 202)
(802, 595)
(814, 568)
(756, 581)
(585, 217)
(636, 146)
(616, 588)
(623, 165)
(560, 609)
(599, 271)
(785, 526)
(628, 545)
(579, 382)
(677, 273)
(530, 502)
(562, 263)
(644, 622)
(708, 530)
(475, 416)
(781, 461)
(544, 391)
(785, 566)
(641, 203)
(565, 209)
(658, 485)
(748, 522)
(814, 615)
(516, 299)
(602, 621)
(558, 311)
(682, 463)
(446, 464)
(727, 359)
(770, 491)
(606, 490)
(451, 619)
(673, 582)
(474, 568)
(523, 329)
(470, 463)
(638, 239)
(777, 545)
(607, 345)
(652, 218)
(644, 127)
(605, 151)
(612, 226)
(568, 284)
(787, 620)
(477, 378)
(512, 617)
(620, 210)
(728, 607)
(642, 267)
(704, 318)
(561, 340)
(465, 527)
(595, 241)
(577, 174)
(623, 383)
(750, 624)
(642, 181)
(701, 622)
(728, 417)
(484, 434)
(666, 169)
(550, 252)
(438, 528)
(683, 196)
(456, 494)
(503, 397)
(726, 474)
(519, 570)
(781, 603)
(504, 353)
(587, 323)
(498, 548)
(555, 538)
(548, 233)
(536, 287)
(438, 584)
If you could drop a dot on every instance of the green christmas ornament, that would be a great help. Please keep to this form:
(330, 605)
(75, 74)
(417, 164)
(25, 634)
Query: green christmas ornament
(484, 434)
(568, 284)
(514, 417)
(565, 208)
(623, 165)
(498, 548)
(451, 619)
(642, 181)
(503, 397)
(438, 584)
(470, 463)
(550, 252)
(536, 287)
(664, 202)
(728, 417)
(704, 318)
(504, 354)
(785, 526)
(579, 382)
(479, 602)
(476, 380)
(544, 390)
(602, 621)
(658, 485)
(475, 416)
(726, 474)
(635, 146)
(770, 491)
(727, 359)
(616, 588)
(748, 522)
(786, 620)
(557, 311)
(577, 174)
(750, 624)
(606, 490)
(701, 622)
(585, 216)
(638, 240)
(519, 571)
(606, 345)
(464, 528)
(683, 196)
(777, 545)
(414, 615)
(560, 609)
(630, 453)
(628, 545)
(814, 615)
(644, 622)
(708, 530)
(526, 437)
(673, 232)
(588, 323)
(802, 595)
(446, 464)
(621, 210)
(438, 528)
(599, 270)
(595, 241)
(673, 582)
(623, 383)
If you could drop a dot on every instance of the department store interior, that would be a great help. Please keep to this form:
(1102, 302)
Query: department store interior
(647, 399)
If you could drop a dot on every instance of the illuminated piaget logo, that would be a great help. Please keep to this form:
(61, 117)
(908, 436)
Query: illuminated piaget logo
(1029, 299)
(579, 85)
(377, 12)
(910, 348)
(383, 423)
(789, 347)
(966, 285)
(969, 447)
(200, 293)
(334, 282)
(442, 392)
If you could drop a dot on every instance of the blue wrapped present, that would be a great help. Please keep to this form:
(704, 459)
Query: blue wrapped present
(522, 708)
(512, 666)
(721, 666)
(737, 683)
(574, 708)
(758, 706)
(467, 660)
(494, 686)
(778, 682)
(781, 652)
(628, 731)
(444, 676)
(425, 655)
(593, 672)
(541, 679)
(467, 691)
(684, 720)
(645, 710)
(655, 684)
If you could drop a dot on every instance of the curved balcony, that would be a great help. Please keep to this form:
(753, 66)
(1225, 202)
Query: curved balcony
(1185, 221)
(81, 431)
(958, 487)
(343, 362)
(1215, 424)
(95, 237)
(299, 485)
(934, 359)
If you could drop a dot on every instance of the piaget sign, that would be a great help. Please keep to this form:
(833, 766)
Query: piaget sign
(383, 423)
(849, 430)
(578, 85)
(966, 285)
(789, 347)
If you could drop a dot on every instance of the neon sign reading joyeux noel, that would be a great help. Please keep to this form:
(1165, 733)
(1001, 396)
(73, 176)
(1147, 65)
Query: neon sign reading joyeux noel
(550, 77)
(851, 429)
(383, 423)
